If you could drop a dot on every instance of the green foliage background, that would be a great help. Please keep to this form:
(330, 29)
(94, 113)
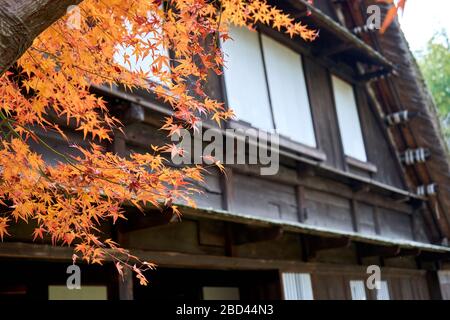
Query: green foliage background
(434, 62)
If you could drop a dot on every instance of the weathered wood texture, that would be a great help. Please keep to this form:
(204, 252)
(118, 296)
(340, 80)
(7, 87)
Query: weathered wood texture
(23, 20)
(330, 280)
(326, 7)
(328, 211)
(326, 203)
(57, 143)
(395, 225)
(407, 91)
(125, 284)
(264, 198)
(377, 146)
(335, 286)
(324, 114)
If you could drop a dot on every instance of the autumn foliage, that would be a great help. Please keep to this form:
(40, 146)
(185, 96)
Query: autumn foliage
(51, 81)
(391, 13)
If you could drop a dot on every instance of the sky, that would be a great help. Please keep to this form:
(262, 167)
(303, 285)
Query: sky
(422, 18)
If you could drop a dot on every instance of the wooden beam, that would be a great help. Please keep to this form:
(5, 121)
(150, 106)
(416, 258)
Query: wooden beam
(305, 171)
(360, 188)
(243, 234)
(400, 198)
(410, 252)
(198, 261)
(434, 256)
(372, 76)
(368, 250)
(154, 218)
(20, 250)
(333, 185)
(314, 244)
(334, 50)
(327, 24)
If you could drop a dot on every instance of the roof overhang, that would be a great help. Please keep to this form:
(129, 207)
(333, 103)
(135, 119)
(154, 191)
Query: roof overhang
(302, 228)
(333, 37)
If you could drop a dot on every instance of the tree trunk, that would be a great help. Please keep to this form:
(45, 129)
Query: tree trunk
(21, 21)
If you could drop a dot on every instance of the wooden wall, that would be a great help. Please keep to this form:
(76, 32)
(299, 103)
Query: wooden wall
(377, 146)
(324, 113)
(333, 285)
(325, 203)
(331, 270)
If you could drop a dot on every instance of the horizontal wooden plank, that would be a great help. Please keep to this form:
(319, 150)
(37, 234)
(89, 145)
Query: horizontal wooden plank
(182, 260)
(297, 227)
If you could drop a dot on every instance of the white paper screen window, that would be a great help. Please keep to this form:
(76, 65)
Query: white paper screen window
(245, 79)
(349, 124)
(383, 292)
(85, 293)
(288, 92)
(444, 281)
(297, 286)
(358, 290)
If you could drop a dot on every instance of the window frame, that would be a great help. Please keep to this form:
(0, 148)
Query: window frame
(350, 160)
(285, 274)
(362, 284)
(384, 284)
(242, 123)
(285, 143)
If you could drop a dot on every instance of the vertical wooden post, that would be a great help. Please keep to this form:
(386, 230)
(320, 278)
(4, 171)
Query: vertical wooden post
(414, 226)
(434, 286)
(376, 218)
(126, 285)
(300, 195)
(354, 213)
(229, 240)
(227, 205)
(119, 144)
(227, 187)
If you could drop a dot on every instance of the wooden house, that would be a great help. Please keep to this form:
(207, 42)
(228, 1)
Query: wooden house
(363, 180)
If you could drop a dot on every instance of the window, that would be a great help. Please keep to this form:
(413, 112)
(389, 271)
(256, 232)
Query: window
(245, 80)
(85, 293)
(383, 292)
(358, 290)
(288, 93)
(349, 125)
(220, 293)
(444, 281)
(266, 86)
(297, 286)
